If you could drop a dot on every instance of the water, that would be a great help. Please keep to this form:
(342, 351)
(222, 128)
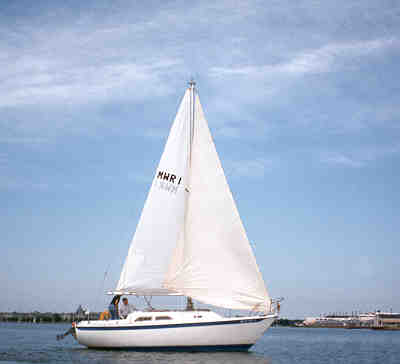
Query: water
(36, 343)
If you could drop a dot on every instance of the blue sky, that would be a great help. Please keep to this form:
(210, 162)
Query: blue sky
(303, 103)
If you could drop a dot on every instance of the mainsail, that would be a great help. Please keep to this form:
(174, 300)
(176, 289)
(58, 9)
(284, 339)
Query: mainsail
(191, 241)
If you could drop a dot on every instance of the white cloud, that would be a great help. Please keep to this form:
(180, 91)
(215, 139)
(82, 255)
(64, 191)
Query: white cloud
(90, 59)
(11, 183)
(359, 157)
(96, 57)
(134, 56)
(341, 159)
(251, 168)
(24, 140)
(319, 60)
(373, 153)
(229, 132)
(55, 82)
(155, 133)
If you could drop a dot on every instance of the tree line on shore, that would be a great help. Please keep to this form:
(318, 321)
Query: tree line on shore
(46, 317)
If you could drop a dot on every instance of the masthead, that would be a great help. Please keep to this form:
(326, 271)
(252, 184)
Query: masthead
(192, 83)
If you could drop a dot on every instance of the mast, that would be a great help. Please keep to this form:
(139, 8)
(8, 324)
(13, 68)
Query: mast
(192, 85)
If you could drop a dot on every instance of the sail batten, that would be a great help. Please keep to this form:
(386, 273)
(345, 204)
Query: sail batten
(200, 248)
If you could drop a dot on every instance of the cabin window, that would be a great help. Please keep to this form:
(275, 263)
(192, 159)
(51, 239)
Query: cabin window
(163, 318)
(144, 318)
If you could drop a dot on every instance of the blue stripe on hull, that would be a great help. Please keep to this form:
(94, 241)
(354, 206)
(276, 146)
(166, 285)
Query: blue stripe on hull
(195, 348)
(167, 326)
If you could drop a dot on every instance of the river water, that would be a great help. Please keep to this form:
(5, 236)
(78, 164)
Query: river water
(36, 343)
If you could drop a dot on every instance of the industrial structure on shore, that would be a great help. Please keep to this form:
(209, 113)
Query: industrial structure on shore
(371, 320)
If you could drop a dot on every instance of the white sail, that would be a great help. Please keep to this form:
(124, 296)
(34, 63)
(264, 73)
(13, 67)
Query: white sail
(162, 217)
(213, 261)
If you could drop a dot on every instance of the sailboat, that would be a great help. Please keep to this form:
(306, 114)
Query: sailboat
(189, 241)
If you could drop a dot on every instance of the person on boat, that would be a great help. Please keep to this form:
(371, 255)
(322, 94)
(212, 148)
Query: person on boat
(113, 307)
(189, 304)
(126, 308)
(105, 315)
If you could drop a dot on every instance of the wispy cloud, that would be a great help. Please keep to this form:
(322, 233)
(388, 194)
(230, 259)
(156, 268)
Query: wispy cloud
(93, 59)
(341, 159)
(359, 157)
(251, 168)
(155, 133)
(229, 131)
(55, 82)
(87, 59)
(24, 140)
(10, 183)
(142, 177)
(323, 59)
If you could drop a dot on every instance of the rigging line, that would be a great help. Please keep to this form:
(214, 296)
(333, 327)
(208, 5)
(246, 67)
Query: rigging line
(148, 301)
(101, 286)
(116, 261)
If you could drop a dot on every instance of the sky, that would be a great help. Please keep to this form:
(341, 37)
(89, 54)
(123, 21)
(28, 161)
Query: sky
(302, 99)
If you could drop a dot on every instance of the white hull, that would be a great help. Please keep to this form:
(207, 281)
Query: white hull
(195, 330)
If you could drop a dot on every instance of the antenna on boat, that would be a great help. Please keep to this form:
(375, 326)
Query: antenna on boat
(192, 83)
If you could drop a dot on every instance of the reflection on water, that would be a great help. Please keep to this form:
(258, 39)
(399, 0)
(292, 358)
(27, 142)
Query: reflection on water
(108, 357)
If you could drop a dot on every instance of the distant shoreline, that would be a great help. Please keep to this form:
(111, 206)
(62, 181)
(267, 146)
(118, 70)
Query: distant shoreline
(55, 317)
(46, 317)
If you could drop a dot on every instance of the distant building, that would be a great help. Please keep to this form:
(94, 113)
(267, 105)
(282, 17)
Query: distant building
(80, 311)
(376, 320)
(387, 320)
(328, 321)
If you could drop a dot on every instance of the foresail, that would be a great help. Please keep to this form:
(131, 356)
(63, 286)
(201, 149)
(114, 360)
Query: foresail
(213, 261)
(162, 217)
